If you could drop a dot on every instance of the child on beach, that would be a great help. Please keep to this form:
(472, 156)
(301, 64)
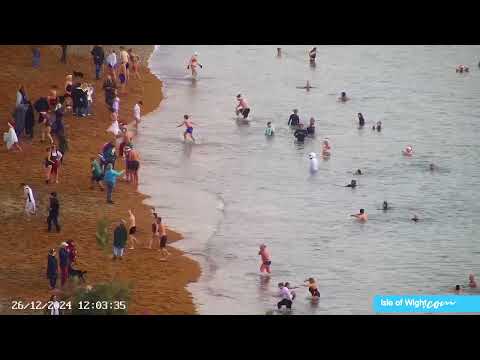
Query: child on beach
(265, 257)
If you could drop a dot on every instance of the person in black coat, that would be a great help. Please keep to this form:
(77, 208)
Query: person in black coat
(52, 269)
(29, 120)
(64, 258)
(109, 85)
(80, 101)
(98, 59)
(53, 212)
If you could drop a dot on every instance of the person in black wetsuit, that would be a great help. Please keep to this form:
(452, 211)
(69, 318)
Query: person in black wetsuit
(311, 127)
(294, 120)
(361, 120)
(300, 133)
(353, 184)
(313, 54)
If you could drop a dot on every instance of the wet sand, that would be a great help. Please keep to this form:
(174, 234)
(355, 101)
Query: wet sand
(158, 287)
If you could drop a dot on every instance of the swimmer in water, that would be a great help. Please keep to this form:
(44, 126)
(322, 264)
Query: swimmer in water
(385, 206)
(326, 148)
(353, 184)
(379, 126)
(361, 120)
(242, 107)
(300, 133)
(471, 281)
(192, 64)
(312, 287)
(270, 130)
(432, 167)
(311, 127)
(343, 97)
(265, 257)
(415, 218)
(362, 216)
(189, 128)
(294, 120)
(408, 151)
(358, 172)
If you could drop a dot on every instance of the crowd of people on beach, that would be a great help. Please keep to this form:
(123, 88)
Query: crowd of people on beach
(76, 97)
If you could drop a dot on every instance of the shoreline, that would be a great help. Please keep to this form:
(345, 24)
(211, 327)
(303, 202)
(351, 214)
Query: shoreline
(158, 287)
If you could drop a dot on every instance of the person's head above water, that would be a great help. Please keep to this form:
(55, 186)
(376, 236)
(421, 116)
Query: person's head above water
(432, 166)
(358, 172)
(362, 211)
(353, 183)
(343, 94)
(312, 121)
(239, 96)
(359, 114)
(269, 123)
(385, 205)
(295, 111)
(185, 117)
(457, 287)
(281, 285)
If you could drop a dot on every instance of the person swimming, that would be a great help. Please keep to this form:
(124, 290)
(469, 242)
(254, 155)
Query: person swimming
(385, 206)
(415, 218)
(358, 172)
(353, 184)
(432, 167)
(311, 127)
(300, 133)
(379, 126)
(361, 120)
(362, 216)
(189, 128)
(269, 130)
(471, 281)
(343, 97)
(242, 107)
(312, 287)
(326, 148)
(408, 151)
(294, 120)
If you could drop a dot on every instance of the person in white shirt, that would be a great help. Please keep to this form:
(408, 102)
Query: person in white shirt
(112, 63)
(136, 112)
(286, 295)
(30, 208)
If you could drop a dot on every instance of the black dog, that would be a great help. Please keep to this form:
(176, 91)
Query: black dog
(78, 74)
(76, 273)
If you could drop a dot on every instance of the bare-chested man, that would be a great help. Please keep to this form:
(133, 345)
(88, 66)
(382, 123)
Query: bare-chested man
(132, 230)
(133, 165)
(189, 128)
(163, 238)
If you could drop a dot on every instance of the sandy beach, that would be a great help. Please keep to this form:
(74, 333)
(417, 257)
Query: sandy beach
(158, 287)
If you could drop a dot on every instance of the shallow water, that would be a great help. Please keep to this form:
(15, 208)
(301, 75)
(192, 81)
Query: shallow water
(236, 189)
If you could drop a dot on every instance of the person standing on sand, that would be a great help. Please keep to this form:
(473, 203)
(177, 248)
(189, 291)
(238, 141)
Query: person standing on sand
(30, 208)
(132, 230)
(29, 120)
(112, 63)
(109, 86)
(135, 61)
(116, 104)
(72, 252)
(10, 138)
(64, 262)
(136, 112)
(119, 240)
(163, 238)
(53, 212)
(97, 175)
(52, 269)
(53, 162)
(98, 59)
(125, 62)
(64, 54)
(110, 179)
(155, 230)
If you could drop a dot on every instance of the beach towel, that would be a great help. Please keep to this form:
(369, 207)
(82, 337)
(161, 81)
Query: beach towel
(30, 201)
(10, 138)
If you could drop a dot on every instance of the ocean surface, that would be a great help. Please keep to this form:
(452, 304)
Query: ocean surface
(235, 189)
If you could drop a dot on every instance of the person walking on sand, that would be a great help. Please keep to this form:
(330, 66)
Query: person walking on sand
(125, 62)
(109, 86)
(64, 262)
(265, 257)
(119, 240)
(53, 212)
(136, 112)
(97, 175)
(155, 230)
(110, 179)
(135, 60)
(30, 208)
(10, 138)
(163, 238)
(98, 56)
(132, 230)
(72, 252)
(133, 165)
(52, 269)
